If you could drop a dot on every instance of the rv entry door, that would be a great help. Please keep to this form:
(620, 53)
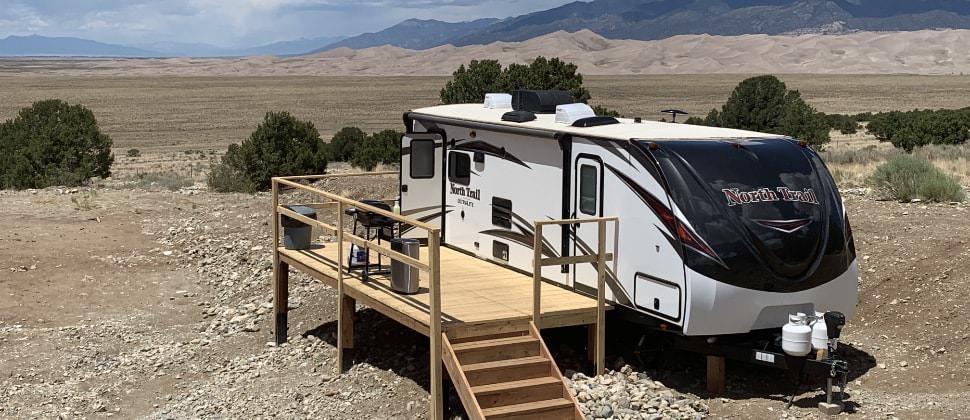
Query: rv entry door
(421, 181)
(587, 203)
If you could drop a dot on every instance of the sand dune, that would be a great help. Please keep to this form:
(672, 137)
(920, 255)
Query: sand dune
(918, 52)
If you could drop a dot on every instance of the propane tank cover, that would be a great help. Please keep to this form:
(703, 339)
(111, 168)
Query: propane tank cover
(796, 336)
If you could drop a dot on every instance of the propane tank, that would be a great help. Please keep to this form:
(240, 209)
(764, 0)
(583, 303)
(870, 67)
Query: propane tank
(796, 336)
(820, 333)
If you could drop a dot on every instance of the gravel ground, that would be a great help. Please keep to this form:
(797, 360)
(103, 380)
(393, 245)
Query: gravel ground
(134, 304)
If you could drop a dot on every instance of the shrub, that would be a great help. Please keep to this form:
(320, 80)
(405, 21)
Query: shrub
(383, 147)
(470, 84)
(133, 153)
(606, 112)
(765, 104)
(281, 145)
(227, 178)
(53, 143)
(845, 124)
(905, 177)
(341, 147)
(909, 130)
(544, 74)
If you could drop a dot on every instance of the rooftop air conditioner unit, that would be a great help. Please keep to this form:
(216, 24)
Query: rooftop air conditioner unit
(570, 113)
(498, 101)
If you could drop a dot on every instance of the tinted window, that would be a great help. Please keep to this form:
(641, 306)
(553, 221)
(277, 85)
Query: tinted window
(767, 208)
(459, 168)
(502, 212)
(588, 190)
(422, 159)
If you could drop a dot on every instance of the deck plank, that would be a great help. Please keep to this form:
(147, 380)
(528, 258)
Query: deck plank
(472, 291)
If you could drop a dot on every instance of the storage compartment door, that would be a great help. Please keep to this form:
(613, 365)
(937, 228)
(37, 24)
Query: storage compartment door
(658, 297)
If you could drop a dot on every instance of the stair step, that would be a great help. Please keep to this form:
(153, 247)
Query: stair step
(506, 334)
(496, 349)
(518, 392)
(507, 370)
(557, 408)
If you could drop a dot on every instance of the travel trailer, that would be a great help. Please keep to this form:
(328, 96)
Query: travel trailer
(720, 231)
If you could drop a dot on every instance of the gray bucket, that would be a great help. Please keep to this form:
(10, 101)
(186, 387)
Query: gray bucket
(296, 234)
(404, 278)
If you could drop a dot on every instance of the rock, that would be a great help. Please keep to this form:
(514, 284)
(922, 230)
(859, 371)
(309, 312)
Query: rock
(603, 411)
(239, 318)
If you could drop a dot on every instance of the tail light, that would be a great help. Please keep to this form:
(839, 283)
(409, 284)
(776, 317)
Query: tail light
(848, 235)
(686, 237)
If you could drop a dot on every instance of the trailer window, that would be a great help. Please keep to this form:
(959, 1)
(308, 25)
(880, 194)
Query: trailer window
(502, 212)
(459, 168)
(587, 190)
(422, 159)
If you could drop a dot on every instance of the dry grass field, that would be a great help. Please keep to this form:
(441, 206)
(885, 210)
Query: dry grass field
(180, 124)
(182, 113)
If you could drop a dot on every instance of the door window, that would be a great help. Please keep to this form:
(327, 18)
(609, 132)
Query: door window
(459, 168)
(422, 159)
(588, 190)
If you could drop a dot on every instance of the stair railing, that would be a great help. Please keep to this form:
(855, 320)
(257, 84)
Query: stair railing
(600, 258)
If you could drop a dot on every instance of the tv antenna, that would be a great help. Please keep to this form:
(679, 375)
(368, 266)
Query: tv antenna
(674, 113)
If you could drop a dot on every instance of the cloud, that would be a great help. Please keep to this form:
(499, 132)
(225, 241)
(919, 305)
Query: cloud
(236, 22)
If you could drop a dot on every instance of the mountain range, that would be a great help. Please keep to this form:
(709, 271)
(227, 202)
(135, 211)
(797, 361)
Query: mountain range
(659, 19)
(613, 19)
(37, 45)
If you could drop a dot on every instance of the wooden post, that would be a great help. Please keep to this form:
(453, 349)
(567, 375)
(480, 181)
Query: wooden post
(716, 375)
(348, 306)
(591, 343)
(601, 301)
(281, 273)
(537, 277)
(341, 315)
(434, 285)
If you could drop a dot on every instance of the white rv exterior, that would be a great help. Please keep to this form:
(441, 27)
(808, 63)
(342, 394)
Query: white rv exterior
(485, 181)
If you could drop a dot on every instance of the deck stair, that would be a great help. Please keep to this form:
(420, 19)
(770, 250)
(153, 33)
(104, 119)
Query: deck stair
(508, 375)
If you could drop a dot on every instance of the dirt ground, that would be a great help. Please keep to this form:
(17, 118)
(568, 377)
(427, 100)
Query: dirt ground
(117, 301)
(134, 303)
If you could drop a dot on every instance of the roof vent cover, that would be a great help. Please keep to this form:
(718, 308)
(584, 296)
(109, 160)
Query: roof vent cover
(540, 101)
(570, 113)
(518, 116)
(498, 101)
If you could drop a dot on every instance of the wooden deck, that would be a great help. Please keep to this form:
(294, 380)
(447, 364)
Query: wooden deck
(482, 320)
(473, 292)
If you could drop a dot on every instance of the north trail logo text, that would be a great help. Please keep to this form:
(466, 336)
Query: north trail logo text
(735, 196)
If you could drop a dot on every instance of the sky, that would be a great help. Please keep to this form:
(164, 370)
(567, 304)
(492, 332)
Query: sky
(236, 23)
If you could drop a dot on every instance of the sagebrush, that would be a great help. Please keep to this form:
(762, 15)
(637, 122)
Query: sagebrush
(908, 177)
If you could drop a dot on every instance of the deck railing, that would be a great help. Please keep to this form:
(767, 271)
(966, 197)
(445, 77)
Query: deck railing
(600, 258)
(433, 267)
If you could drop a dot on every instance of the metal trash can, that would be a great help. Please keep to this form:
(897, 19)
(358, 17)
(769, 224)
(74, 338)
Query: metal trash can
(404, 278)
(296, 234)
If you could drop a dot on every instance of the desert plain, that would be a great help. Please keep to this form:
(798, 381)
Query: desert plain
(149, 299)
